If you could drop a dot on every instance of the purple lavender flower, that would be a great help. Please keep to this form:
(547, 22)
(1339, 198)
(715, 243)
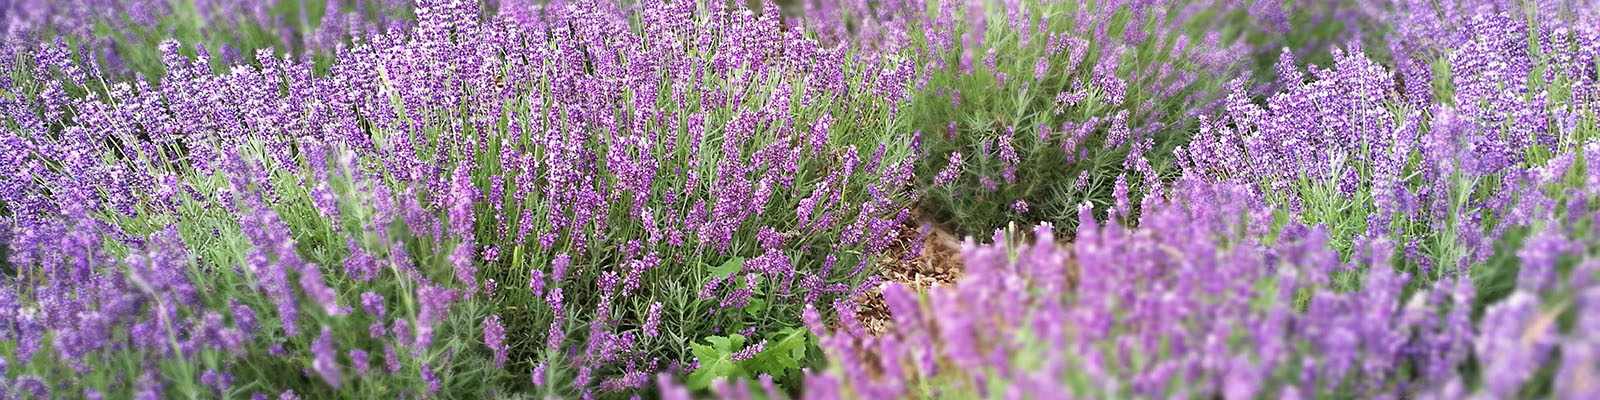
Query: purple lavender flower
(495, 336)
(949, 173)
(358, 359)
(323, 358)
(217, 381)
(749, 351)
(431, 379)
(558, 268)
(536, 282)
(372, 303)
(435, 305)
(653, 321)
(391, 359)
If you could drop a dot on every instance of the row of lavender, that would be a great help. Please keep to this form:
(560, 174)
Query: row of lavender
(553, 204)
(122, 37)
(1426, 231)
(567, 200)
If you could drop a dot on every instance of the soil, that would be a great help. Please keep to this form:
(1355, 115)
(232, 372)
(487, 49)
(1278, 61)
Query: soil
(936, 263)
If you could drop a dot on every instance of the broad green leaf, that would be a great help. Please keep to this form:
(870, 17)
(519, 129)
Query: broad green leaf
(715, 363)
(782, 354)
(755, 307)
(727, 269)
(702, 352)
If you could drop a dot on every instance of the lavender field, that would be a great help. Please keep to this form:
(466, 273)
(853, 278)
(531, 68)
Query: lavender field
(800, 199)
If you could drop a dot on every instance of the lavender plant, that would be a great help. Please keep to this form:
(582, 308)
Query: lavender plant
(124, 36)
(560, 204)
(1369, 156)
(1321, 287)
(1214, 296)
(219, 284)
(1241, 312)
(1029, 107)
(748, 171)
(1406, 29)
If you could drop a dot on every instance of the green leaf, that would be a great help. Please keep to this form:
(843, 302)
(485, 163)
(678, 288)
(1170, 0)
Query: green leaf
(755, 307)
(727, 269)
(713, 366)
(703, 353)
(782, 354)
(716, 360)
(727, 344)
(799, 352)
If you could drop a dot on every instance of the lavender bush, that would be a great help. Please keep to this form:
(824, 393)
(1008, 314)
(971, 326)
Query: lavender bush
(1207, 298)
(1369, 156)
(1425, 236)
(558, 205)
(1031, 107)
(1406, 29)
(1216, 297)
(124, 36)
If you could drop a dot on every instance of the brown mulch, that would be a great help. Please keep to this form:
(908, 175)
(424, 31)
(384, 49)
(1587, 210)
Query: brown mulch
(938, 263)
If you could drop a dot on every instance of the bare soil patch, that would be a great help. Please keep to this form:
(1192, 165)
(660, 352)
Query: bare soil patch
(936, 262)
